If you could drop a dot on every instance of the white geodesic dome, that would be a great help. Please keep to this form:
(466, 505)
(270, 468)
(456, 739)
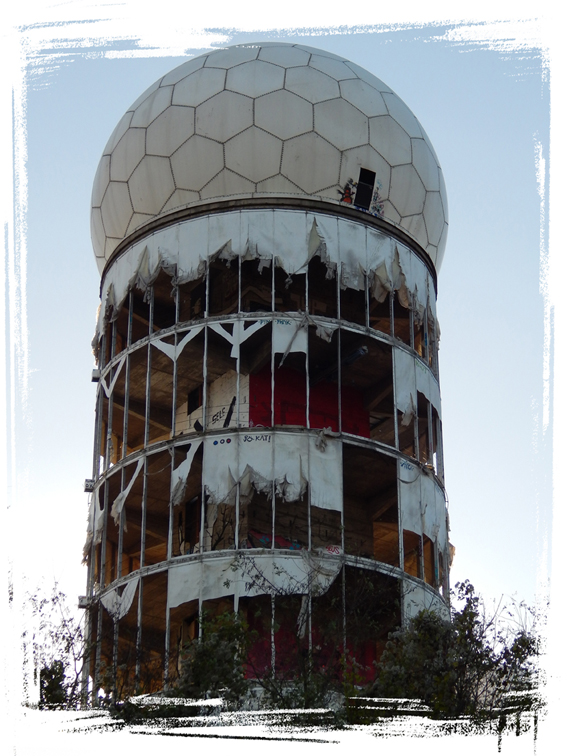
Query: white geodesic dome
(267, 120)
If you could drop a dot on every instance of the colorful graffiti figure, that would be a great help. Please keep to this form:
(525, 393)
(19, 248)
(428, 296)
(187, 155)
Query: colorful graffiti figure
(347, 194)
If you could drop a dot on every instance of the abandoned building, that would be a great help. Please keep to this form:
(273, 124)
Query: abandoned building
(269, 221)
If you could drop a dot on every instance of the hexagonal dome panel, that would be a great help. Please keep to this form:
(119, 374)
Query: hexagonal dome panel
(311, 84)
(407, 192)
(151, 184)
(283, 114)
(254, 154)
(223, 116)
(391, 141)
(284, 55)
(364, 97)
(116, 209)
(196, 162)
(312, 175)
(127, 154)
(330, 119)
(274, 118)
(198, 87)
(152, 106)
(425, 164)
(255, 78)
(168, 132)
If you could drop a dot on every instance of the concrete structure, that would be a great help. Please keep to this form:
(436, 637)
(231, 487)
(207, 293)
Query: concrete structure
(269, 221)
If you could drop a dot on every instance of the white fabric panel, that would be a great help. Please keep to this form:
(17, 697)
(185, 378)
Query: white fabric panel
(109, 388)
(118, 606)
(180, 474)
(261, 574)
(441, 513)
(224, 235)
(173, 351)
(118, 503)
(290, 465)
(428, 507)
(352, 251)
(183, 583)
(98, 516)
(291, 235)
(414, 599)
(410, 496)
(258, 235)
(289, 335)
(220, 468)
(427, 385)
(287, 234)
(192, 252)
(404, 378)
(327, 232)
(326, 474)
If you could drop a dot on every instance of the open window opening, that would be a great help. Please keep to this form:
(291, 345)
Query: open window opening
(189, 394)
(371, 613)
(164, 301)
(323, 380)
(289, 291)
(429, 562)
(291, 529)
(256, 286)
(157, 507)
(161, 394)
(220, 527)
(138, 367)
(370, 493)
(322, 289)
(412, 553)
(192, 300)
(366, 387)
(126, 651)
(140, 315)
(223, 287)
(256, 377)
(364, 189)
(152, 650)
(132, 532)
(423, 429)
(187, 514)
(354, 304)
(379, 313)
(222, 393)
(402, 321)
(184, 628)
(257, 613)
(255, 529)
(406, 433)
(326, 530)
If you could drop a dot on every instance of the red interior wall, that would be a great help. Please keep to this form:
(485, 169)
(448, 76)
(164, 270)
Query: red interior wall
(290, 400)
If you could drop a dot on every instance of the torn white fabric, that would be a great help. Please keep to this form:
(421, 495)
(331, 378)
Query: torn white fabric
(260, 460)
(90, 528)
(409, 488)
(352, 247)
(98, 516)
(301, 573)
(180, 474)
(404, 379)
(220, 468)
(118, 604)
(108, 388)
(118, 503)
(241, 330)
(288, 237)
(289, 335)
(173, 351)
(326, 473)
(427, 384)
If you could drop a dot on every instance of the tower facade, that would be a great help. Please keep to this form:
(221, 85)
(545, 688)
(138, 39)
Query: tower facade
(269, 221)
